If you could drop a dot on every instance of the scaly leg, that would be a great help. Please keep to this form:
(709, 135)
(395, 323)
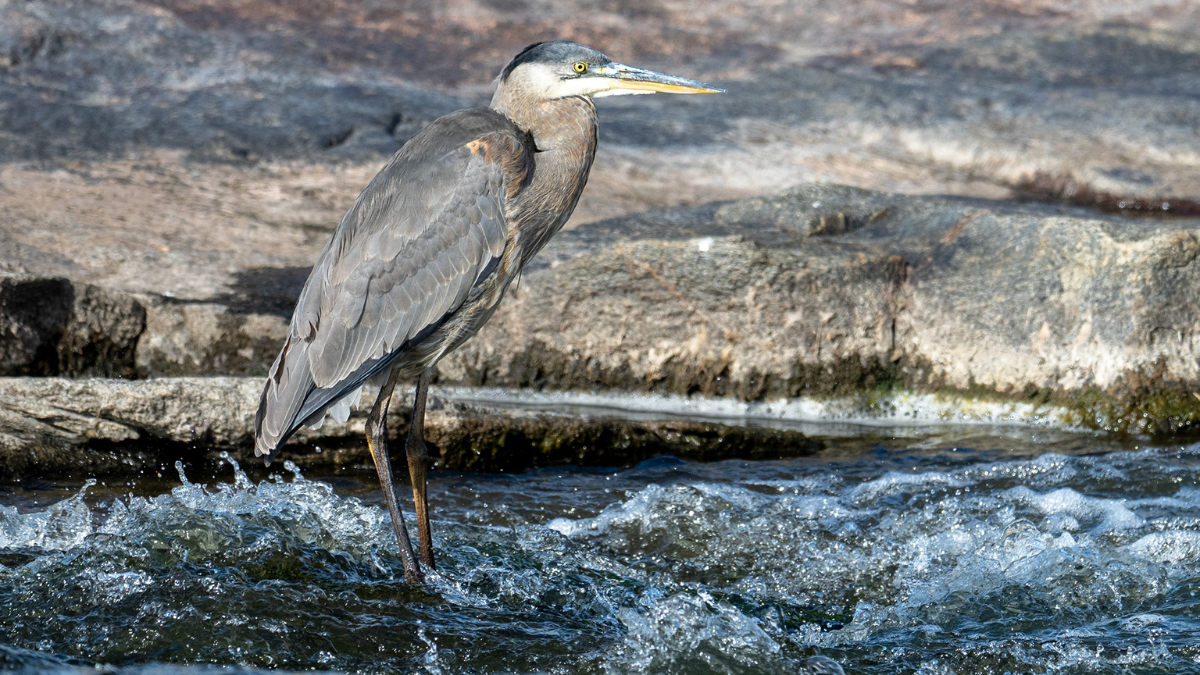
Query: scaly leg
(377, 442)
(418, 457)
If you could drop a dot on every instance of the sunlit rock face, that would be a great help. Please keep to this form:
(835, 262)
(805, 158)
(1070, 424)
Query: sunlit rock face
(1091, 99)
(832, 291)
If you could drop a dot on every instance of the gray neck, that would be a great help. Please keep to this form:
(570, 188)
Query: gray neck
(564, 131)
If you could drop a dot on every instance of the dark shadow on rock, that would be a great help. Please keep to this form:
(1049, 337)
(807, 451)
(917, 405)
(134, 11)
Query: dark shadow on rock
(33, 318)
(50, 326)
(1047, 187)
(51, 458)
(265, 290)
(491, 443)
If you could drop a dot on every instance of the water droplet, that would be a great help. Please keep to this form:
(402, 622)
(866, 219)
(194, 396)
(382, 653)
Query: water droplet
(240, 480)
(291, 466)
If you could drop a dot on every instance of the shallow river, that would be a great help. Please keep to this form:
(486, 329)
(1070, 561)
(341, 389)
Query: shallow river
(931, 560)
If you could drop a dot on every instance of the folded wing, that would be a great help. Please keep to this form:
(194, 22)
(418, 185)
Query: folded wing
(430, 227)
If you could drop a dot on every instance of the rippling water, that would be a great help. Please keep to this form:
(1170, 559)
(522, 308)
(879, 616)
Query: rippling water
(929, 561)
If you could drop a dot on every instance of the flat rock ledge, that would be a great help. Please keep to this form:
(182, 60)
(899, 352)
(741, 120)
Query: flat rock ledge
(822, 292)
(101, 426)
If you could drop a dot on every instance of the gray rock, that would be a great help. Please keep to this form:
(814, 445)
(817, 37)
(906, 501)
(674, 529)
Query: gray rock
(207, 338)
(97, 78)
(964, 98)
(99, 426)
(822, 291)
(829, 291)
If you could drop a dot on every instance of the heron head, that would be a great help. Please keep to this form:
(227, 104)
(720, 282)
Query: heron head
(553, 70)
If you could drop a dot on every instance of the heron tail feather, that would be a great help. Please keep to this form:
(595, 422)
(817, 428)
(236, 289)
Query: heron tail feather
(288, 385)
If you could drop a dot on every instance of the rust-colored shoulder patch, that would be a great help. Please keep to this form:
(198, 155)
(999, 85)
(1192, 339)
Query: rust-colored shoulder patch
(480, 145)
(512, 155)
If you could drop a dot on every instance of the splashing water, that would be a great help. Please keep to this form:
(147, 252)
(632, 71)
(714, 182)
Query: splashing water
(900, 563)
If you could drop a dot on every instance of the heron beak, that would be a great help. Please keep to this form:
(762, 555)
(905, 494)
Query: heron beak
(622, 77)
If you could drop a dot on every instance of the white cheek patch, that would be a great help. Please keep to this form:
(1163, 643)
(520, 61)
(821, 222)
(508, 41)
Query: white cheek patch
(539, 78)
(543, 80)
(581, 86)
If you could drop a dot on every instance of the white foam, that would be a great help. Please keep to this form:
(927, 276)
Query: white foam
(65, 525)
(306, 510)
(1173, 546)
(894, 482)
(636, 510)
(1046, 468)
(827, 541)
(111, 587)
(1110, 514)
(903, 553)
(685, 628)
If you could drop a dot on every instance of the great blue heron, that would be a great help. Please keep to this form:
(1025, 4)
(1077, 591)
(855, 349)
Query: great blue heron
(424, 256)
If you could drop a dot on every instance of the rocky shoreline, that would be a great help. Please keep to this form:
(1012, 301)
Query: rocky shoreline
(819, 291)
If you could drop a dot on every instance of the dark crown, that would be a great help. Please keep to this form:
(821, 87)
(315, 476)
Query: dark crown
(557, 52)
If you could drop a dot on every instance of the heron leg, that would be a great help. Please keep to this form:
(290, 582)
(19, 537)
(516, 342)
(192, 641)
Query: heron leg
(418, 458)
(377, 442)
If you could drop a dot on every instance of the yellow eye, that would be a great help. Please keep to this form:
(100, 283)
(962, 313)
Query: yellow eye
(581, 67)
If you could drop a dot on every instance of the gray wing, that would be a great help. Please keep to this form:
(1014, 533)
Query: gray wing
(429, 228)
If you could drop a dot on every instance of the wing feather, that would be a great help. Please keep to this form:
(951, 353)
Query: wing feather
(426, 231)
